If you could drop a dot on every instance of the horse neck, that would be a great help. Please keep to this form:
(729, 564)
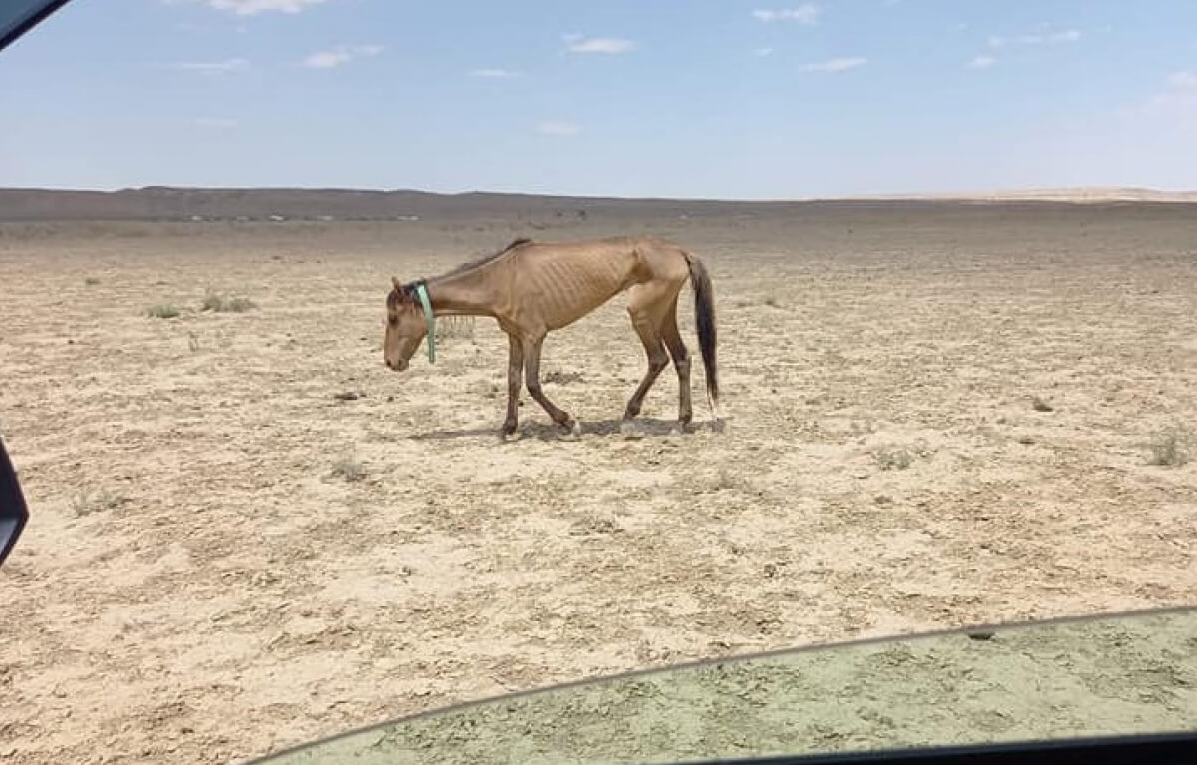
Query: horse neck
(470, 293)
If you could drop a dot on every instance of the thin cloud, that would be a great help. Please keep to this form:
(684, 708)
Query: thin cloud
(254, 7)
(494, 73)
(330, 59)
(836, 64)
(982, 62)
(607, 45)
(1175, 104)
(558, 127)
(1183, 81)
(327, 59)
(762, 52)
(807, 13)
(214, 67)
(1062, 37)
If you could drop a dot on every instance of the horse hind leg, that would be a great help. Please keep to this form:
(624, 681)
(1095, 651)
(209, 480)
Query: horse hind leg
(681, 362)
(648, 327)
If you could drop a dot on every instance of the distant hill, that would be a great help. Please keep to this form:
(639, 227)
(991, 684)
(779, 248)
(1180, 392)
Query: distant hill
(163, 203)
(1079, 195)
(169, 203)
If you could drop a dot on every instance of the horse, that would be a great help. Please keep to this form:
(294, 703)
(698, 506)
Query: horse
(533, 288)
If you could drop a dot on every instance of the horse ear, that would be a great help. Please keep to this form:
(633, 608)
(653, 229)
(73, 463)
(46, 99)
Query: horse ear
(398, 284)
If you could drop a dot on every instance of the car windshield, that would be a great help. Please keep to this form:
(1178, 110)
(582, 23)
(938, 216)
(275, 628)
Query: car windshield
(1114, 675)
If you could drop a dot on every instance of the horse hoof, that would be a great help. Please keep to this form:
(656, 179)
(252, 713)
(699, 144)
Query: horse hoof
(511, 436)
(629, 430)
(572, 430)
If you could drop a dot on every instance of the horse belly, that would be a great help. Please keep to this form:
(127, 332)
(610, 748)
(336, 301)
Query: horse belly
(569, 293)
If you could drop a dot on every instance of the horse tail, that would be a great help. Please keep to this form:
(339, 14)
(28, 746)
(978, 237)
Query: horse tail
(704, 319)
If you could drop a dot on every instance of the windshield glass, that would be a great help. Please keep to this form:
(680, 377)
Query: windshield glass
(1124, 674)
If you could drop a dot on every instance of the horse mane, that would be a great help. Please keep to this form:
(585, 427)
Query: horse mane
(483, 260)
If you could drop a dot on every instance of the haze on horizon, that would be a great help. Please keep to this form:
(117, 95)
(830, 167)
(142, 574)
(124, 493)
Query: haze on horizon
(727, 100)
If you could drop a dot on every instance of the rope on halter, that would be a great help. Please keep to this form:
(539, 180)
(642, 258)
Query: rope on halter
(429, 318)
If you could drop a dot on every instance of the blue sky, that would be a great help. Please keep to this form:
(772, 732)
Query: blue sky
(688, 98)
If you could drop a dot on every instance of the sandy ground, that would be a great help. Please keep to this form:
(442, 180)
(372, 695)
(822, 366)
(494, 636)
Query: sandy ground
(936, 418)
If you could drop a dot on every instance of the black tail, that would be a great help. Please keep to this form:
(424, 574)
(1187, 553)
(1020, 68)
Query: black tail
(704, 318)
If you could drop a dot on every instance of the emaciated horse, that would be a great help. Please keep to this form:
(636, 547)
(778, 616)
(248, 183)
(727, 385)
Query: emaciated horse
(532, 288)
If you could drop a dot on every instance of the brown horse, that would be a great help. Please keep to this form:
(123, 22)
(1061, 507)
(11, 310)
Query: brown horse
(532, 288)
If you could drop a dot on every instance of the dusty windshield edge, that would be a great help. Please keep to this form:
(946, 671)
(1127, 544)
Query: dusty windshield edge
(980, 632)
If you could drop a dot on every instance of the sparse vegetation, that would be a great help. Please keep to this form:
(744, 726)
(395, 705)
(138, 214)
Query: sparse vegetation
(1171, 447)
(1039, 404)
(862, 427)
(91, 281)
(164, 311)
(593, 524)
(893, 458)
(563, 378)
(349, 468)
(890, 457)
(193, 342)
(87, 502)
(220, 303)
(449, 327)
(726, 479)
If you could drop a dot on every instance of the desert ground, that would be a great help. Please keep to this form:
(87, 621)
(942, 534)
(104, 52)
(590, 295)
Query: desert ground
(247, 533)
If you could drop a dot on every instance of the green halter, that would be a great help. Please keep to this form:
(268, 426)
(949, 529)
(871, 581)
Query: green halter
(422, 294)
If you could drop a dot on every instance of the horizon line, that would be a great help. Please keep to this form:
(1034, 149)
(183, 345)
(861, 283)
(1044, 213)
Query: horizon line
(1030, 193)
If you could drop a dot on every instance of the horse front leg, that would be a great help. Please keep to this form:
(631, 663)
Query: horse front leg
(515, 373)
(532, 370)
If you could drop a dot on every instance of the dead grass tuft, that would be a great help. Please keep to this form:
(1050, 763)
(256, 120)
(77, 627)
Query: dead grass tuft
(893, 457)
(164, 311)
(455, 327)
(88, 502)
(1039, 404)
(220, 303)
(563, 378)
(349, 468)
(1171, 447)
